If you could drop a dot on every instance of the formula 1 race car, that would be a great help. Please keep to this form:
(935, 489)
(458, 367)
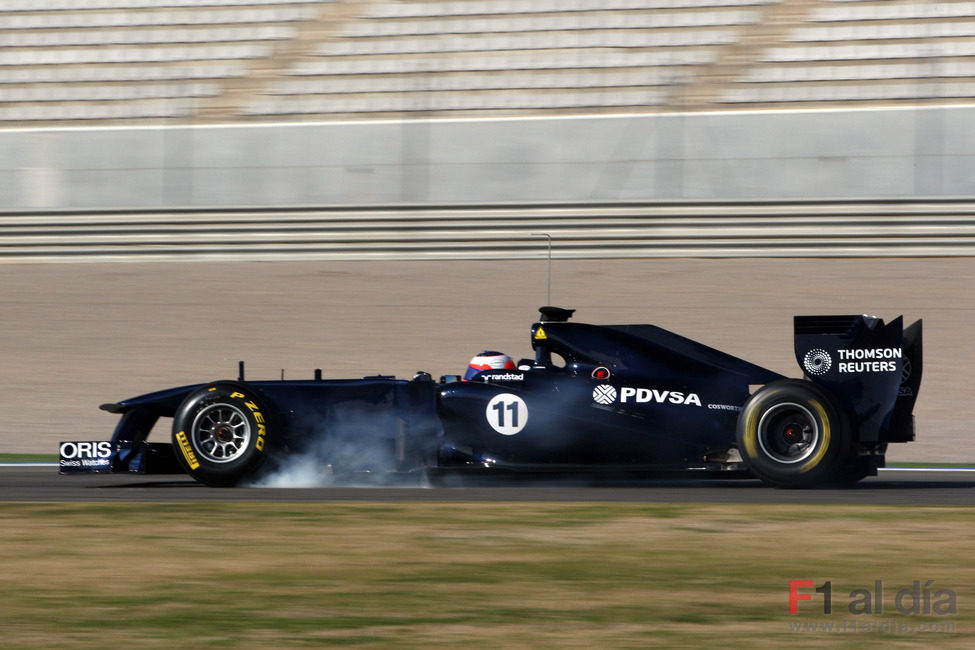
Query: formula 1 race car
(596, 400)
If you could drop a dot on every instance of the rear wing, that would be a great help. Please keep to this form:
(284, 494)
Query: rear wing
(872, 368)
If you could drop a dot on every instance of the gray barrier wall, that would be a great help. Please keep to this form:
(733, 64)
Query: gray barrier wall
(889, 228)
(909, 152)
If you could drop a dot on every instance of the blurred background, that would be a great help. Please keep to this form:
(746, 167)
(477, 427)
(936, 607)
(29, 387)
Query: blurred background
(162, 103)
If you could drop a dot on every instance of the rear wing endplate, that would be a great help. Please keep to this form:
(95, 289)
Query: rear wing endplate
(872, 368)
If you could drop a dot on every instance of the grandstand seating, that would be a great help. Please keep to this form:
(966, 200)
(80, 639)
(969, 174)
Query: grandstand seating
(204, 61)
(509, 55)
(865, 52)
(121, 60)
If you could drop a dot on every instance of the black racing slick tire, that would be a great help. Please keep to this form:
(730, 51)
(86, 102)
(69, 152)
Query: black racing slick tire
(792, 434)
(220, 434)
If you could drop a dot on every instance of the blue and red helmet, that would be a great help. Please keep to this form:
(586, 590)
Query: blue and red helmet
(488, 360)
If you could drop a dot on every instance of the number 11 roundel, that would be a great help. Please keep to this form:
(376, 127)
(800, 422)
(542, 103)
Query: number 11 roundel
(507, 414)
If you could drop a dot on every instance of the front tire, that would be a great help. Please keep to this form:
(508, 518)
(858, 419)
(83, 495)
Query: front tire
(791, 434)
(220, 434)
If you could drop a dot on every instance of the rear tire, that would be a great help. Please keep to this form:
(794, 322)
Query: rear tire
(220, 434)
(791, 434)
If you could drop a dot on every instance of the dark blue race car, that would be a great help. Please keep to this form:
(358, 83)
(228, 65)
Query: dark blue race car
(596, 400)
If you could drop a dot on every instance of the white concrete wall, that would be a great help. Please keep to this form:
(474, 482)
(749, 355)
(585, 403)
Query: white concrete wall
(909, 152)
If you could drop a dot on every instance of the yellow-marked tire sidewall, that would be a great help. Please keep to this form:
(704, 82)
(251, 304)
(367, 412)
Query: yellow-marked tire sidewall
(831, 447)
(825, 433)
(242, 400)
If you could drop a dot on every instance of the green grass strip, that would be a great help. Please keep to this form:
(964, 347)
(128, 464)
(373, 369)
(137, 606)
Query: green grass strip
(479, 575)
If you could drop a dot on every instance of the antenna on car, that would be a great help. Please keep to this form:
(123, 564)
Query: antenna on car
(548, 295)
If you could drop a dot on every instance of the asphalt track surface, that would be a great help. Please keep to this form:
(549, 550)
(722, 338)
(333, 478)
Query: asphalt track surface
(928, 487)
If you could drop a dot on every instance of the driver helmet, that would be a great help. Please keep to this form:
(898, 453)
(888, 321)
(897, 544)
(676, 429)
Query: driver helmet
(488, 360)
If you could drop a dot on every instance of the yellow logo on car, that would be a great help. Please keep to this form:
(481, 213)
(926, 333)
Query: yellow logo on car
(184, 445)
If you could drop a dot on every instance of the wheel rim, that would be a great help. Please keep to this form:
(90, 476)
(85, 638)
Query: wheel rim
(221, 432)
(788, 433)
